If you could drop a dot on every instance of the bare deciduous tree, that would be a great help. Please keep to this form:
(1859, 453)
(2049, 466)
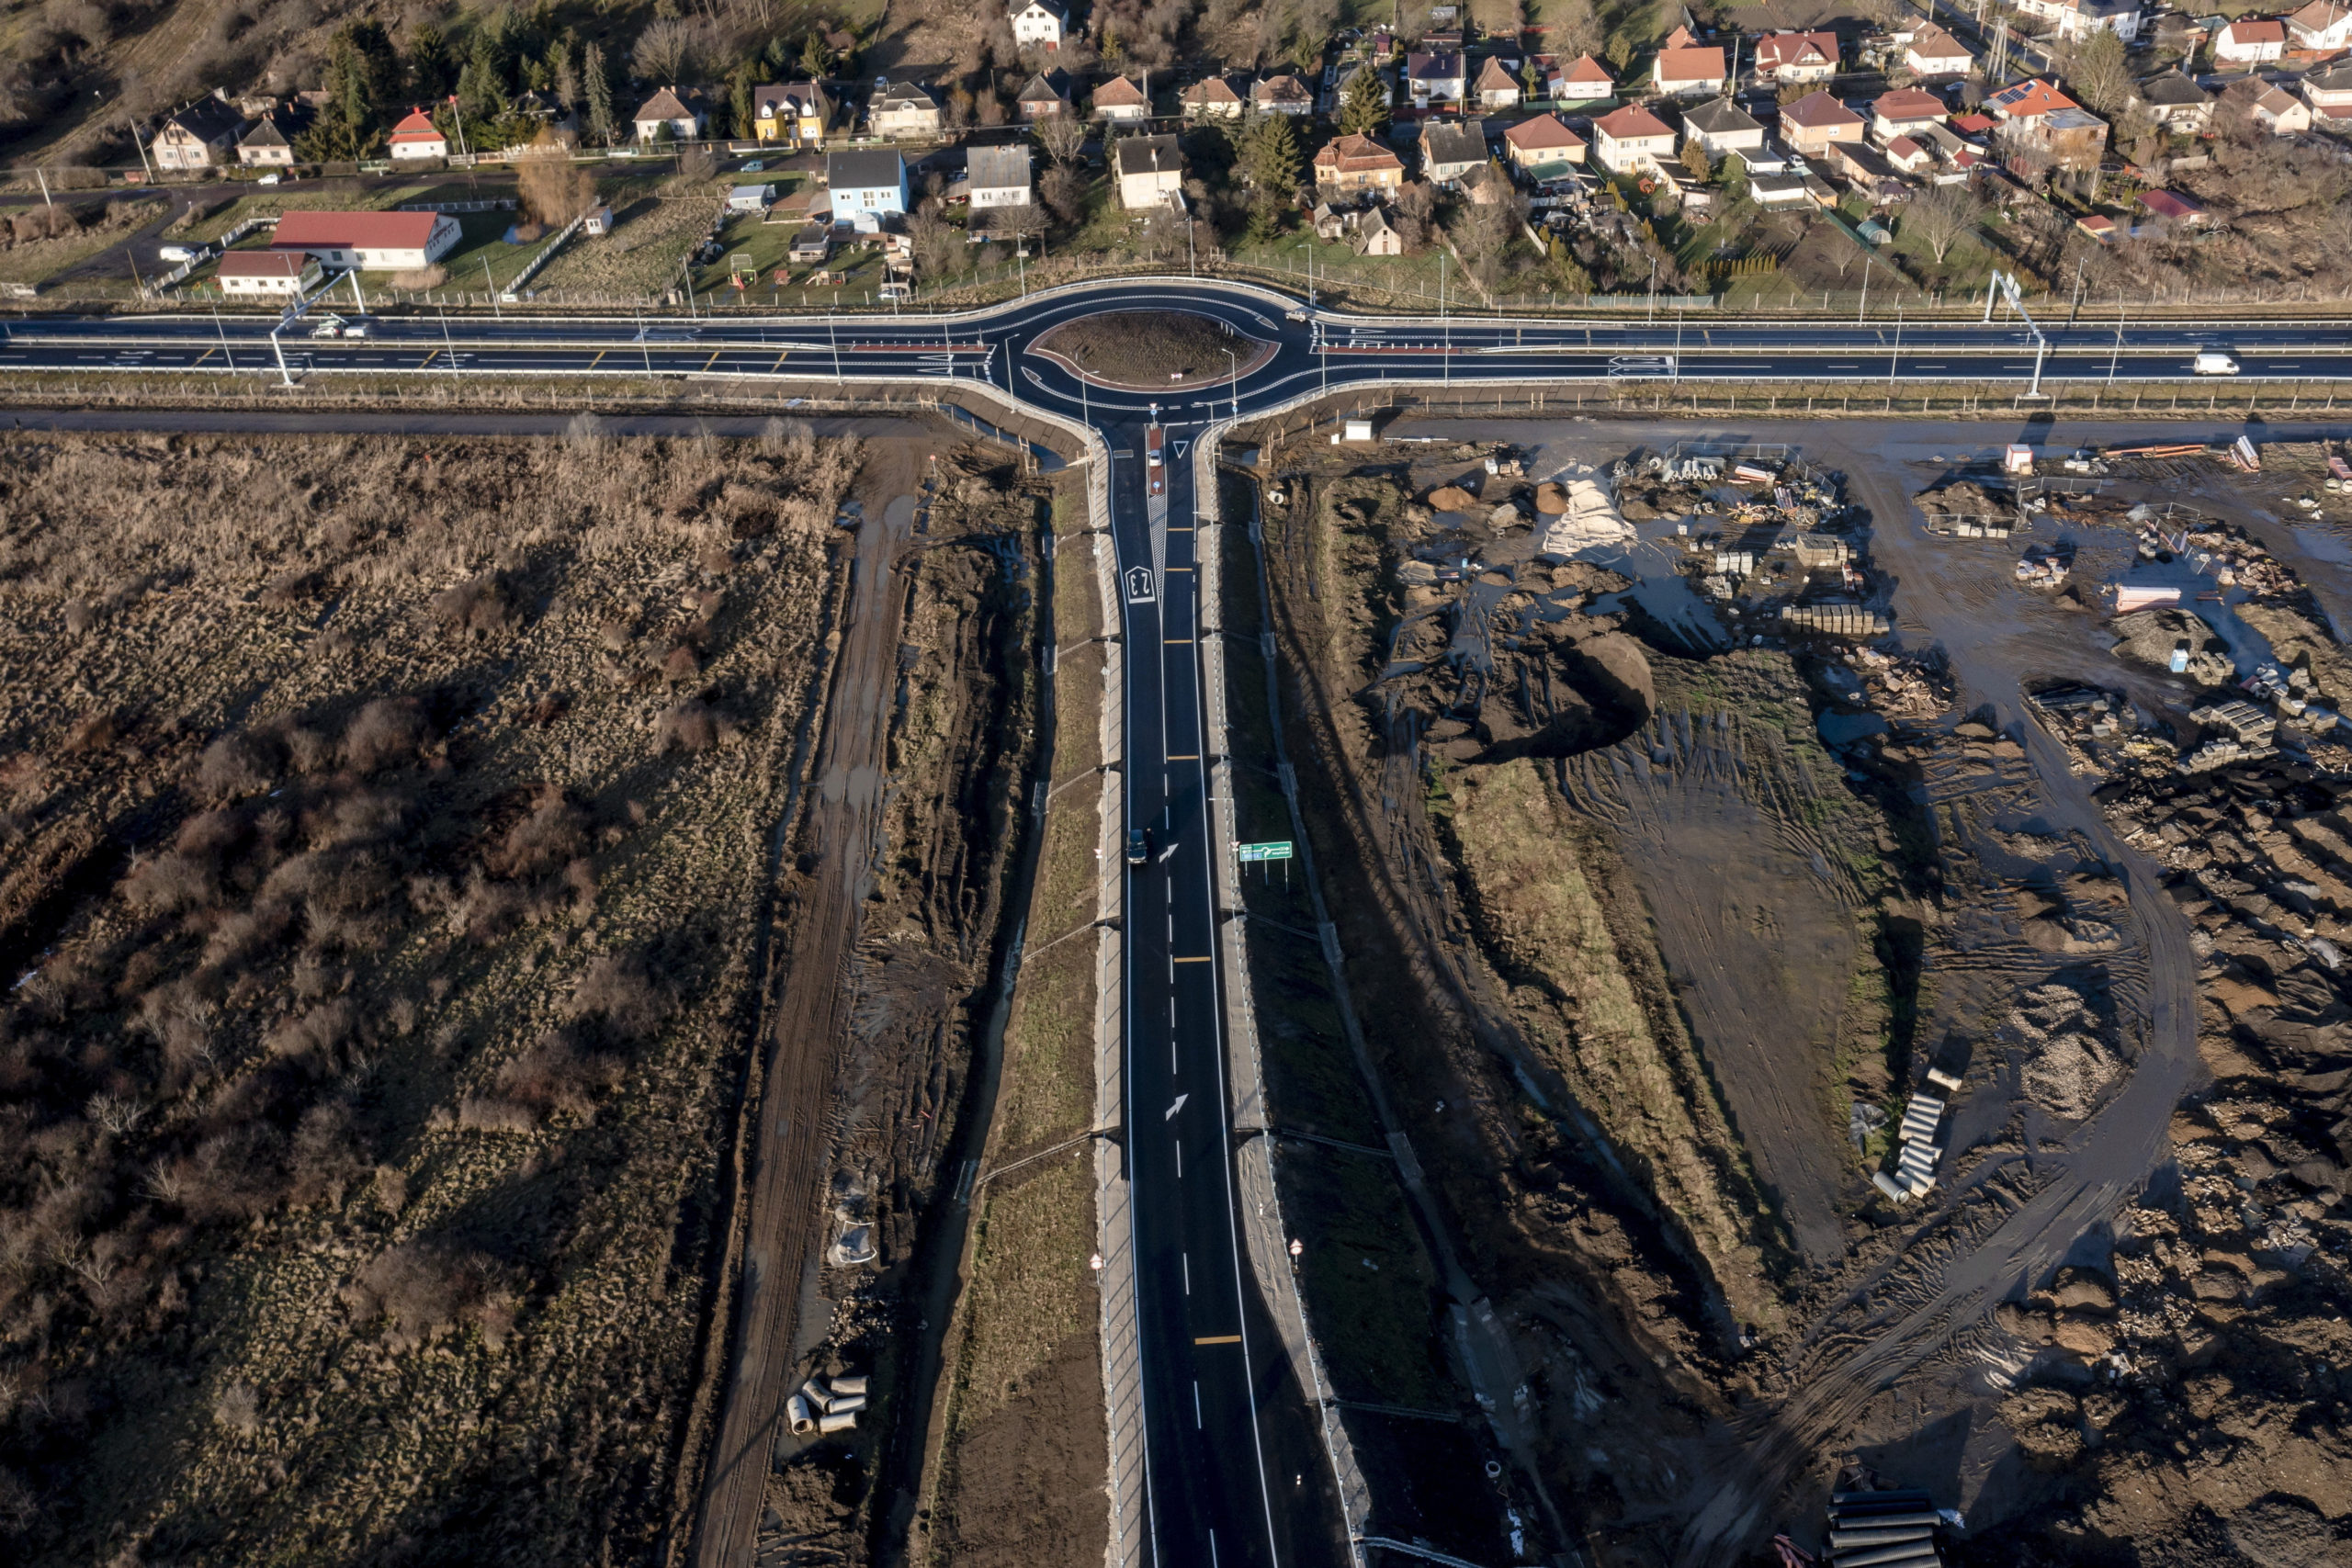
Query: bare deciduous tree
(1941, 215)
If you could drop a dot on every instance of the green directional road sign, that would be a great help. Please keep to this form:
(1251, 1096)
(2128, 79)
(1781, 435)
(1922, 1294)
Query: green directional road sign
(1279, 850)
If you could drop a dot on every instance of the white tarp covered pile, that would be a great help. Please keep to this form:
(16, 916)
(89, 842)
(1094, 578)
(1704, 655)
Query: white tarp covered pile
(1591, 520)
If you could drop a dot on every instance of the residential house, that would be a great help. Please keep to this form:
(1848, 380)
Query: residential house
(1214, 99)
(269, 144)
(2250, 41)
(1796, 57)
(2329, 91)
(1121, 102)
(1450, 149)
(417, 137)
(1631, 140)
(866, 185)
(904, 111)
(2077, 19)
(2324, 26)
(1544, 142)
(1815, 122)
(997, 176)
(811, 246)
(1282, 95)
(1871, 171)
(1045, 97)
(367, 241)
(1036, 24)
(795, 114)
(2099, 226)
(2035, 118)
(1934, 52)
(1496, 87)
(2280, 113)
(201, 136)
(248, 274)
(2169, 208)
(1586, 82)
(1151, 173)
(1375, 236)
(1722, 128)
(1357, 162)
(667, 117)
(1434, 78)
(1907, 156)
(2172, 100)
(1689, 72)
(1903, 111)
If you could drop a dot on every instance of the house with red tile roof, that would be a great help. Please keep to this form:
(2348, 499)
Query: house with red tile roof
(1631, 140)
(1796, 57)
(1816, 121)
(1688, 73)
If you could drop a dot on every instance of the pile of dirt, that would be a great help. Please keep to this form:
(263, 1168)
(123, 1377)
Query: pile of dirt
(1451, 498)
(2069, 1064)
(2299, 638)
(1965, 498)
(2150, 638)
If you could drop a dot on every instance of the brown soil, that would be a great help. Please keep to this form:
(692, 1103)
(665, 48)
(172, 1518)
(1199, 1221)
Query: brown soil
(1149, 350)
(387, 881)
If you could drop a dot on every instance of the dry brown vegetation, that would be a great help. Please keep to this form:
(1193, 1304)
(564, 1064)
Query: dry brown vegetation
(379, 907)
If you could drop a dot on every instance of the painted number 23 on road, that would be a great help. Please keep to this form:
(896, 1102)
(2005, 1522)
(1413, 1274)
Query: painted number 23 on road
(1139, 590)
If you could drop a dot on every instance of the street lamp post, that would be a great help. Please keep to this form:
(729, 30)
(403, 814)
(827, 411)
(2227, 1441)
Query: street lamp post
(2116, 352)
(226, 353)
(1233, 379)
(1897, 359)
(1653, 318)
(1863, 308)
(1445, 359)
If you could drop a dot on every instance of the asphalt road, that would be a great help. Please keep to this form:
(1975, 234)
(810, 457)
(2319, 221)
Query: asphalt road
(1226, 1430)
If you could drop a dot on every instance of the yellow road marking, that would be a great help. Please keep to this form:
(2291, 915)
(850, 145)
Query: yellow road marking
(599, 359)
(1183, 757)
(1216, 1339)
(428, 359)
(1203, 958)
(202, 357)
(1176, 569)
(713, 359)
(779, 361)
(1177, 639)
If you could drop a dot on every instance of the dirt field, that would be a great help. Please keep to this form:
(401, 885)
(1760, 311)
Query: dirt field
(1150, 349)
(389, 829)
(1720, 1316)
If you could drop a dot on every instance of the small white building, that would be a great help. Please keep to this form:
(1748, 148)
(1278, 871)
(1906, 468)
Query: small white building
(997, 176)
(2324, 26)
(1935, 52)
(417, 137)
(201, 136)
(1151, 172)
(666, 116)
(1036, 24)
(368, 242)
(2250, 41)
(1631, 140)
(750, 198)
(268, 275)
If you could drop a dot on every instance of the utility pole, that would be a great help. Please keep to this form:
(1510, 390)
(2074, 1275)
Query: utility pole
(42, 174)
(143, 164)
(226, 353)
(1446, 361)
(2116, 352)
(834, 336)
(1653, 320)
(489, 283)
(1233, 379)
(1865, 305)
(1897, 359)
(449, 348)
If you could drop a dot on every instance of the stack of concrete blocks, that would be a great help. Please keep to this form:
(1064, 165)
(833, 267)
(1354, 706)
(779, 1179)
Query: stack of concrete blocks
(1915, 1169)
(1837, 619)
(825, 1405)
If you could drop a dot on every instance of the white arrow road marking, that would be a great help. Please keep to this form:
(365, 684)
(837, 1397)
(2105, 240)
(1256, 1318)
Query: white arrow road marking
(1175, 1107)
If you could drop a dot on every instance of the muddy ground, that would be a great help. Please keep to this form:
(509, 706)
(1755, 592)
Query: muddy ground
(1662, 956)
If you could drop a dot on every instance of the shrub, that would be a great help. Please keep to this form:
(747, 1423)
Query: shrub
(619, 990)
(314, 1033)
(237, 1408)
(423, 1287)
(235, 765)
(383, 731)
(417, 279)
(690, 727)
(477, 606)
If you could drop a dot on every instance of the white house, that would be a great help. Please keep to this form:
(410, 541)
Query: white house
(1121, 102)
(200, 136)
(1796, 57)
(1935, 52)
(2280, 115)
(1450, 149)
(1722, 127)
(2249, 41)
(1036, 24)
(1282, 94)
(1433, 78)
(417, 137)
(666, 115)
(249, 275)
(1689, 73)
(268, 146)
(2324, 26)
(864, 186)
(1213, 97)
(1631, 139)
(1151, 172)
(367, 241)
(1903, 111)
(2077, 19)
(1497, 88)
(996, 176)
(2329, 91)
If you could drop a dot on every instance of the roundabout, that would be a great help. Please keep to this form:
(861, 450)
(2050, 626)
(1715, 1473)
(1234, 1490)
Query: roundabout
(1151, 350)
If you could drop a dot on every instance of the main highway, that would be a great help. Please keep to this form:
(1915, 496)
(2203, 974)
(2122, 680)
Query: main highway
(1228, 1453)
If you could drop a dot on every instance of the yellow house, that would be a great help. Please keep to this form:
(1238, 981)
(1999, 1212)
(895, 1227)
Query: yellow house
(799, 114)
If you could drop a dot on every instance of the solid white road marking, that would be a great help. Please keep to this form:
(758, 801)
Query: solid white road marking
(1196, 1405)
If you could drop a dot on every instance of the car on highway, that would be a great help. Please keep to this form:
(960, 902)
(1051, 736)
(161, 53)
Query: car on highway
(358, 329)
(1138, 846)
(2212, 362)
(331, 326)
(1155, 442)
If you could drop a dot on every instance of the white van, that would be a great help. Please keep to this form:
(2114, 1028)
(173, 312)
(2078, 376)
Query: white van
(2213, 362)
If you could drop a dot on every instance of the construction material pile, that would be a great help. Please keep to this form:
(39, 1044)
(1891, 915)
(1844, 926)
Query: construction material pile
(1900, 686)
(1884, 1529)
(1585, 519)
(1966, 510)
(826, 1405)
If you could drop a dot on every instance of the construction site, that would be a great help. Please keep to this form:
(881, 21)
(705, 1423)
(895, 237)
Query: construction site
(1852, 913)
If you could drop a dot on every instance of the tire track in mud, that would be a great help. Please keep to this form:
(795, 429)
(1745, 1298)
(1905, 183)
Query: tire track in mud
(2100, 1166)
(794, 1115)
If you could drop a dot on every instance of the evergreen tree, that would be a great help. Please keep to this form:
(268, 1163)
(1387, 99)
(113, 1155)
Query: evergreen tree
(739, 82)
(1365, 110)
(428, 63)
(564, 72)
(815, 58)
(596, 93)
(1694, 160)
(1270, 156)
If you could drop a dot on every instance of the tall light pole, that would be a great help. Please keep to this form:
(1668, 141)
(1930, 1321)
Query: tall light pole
(225, 352)
(1445, 323)
(1865, 305)
(2116, 352)
(1233, 379)
(1897, 359)
(1653, 320)
(451, 349)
